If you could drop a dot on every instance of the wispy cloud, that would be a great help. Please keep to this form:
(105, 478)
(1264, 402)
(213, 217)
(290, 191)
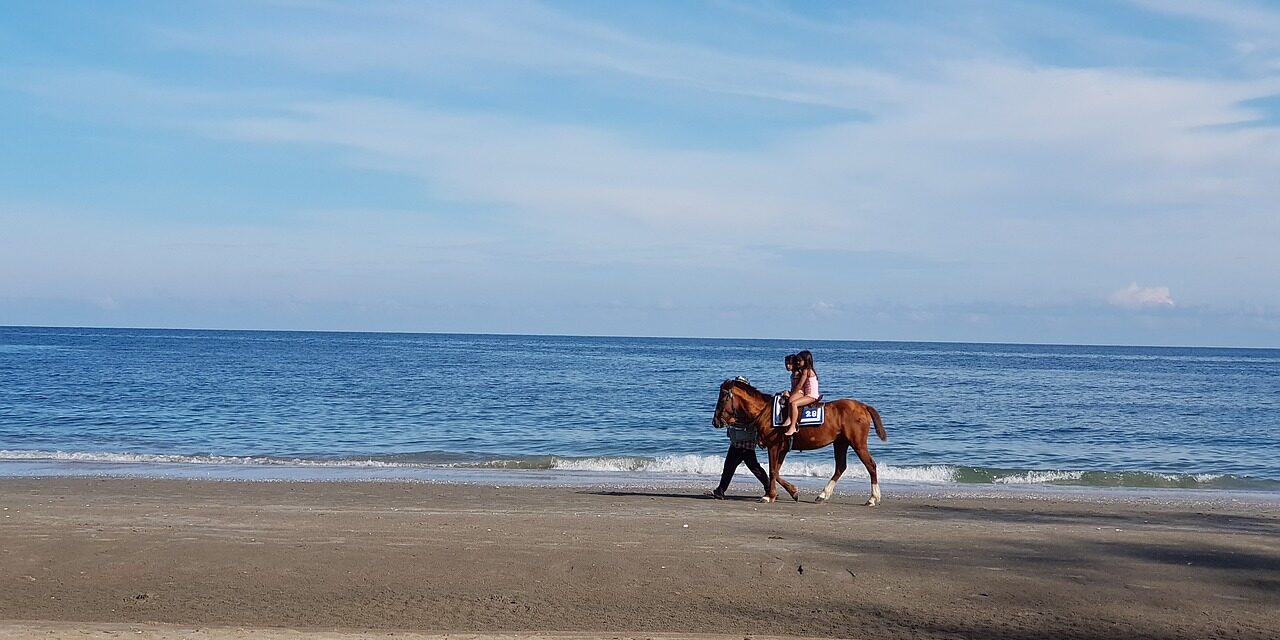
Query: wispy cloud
(1026, 154)
(1136, 297)
(1235, 14)
(443, 41)
(1252, 29)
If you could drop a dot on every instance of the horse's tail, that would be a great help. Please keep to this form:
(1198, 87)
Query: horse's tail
(875, 417)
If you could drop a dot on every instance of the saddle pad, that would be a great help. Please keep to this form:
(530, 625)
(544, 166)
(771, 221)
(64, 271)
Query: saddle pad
(810, 416)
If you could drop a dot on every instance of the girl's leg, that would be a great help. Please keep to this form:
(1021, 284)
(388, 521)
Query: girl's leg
(797, 401)
(786, 395)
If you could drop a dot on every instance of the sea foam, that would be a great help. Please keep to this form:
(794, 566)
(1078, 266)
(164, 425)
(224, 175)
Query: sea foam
(671, 465)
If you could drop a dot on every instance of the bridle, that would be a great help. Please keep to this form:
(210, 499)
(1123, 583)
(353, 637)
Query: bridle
(727, 407)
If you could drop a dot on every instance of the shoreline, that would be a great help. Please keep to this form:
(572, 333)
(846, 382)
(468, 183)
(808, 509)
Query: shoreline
(80, 553)
(850, 486)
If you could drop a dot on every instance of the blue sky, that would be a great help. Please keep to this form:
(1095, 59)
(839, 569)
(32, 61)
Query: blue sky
(1091, 172)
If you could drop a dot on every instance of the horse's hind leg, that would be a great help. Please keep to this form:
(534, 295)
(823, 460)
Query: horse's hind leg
(870, 464)
(842, 462)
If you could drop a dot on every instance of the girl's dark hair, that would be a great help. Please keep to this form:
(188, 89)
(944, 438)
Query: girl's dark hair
(805, 359)
(790, 359)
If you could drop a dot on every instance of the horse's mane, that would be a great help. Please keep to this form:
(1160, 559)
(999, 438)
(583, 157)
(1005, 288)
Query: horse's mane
(747, 386)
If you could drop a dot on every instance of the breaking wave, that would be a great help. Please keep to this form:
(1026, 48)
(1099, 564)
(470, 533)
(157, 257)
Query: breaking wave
(686, 464)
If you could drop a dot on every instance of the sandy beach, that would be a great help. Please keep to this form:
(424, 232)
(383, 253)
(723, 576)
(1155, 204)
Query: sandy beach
(172, 558)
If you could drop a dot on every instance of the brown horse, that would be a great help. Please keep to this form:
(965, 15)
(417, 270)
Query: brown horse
(847, 423)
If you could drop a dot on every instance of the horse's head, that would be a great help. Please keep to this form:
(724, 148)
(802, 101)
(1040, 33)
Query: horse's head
(729, 402)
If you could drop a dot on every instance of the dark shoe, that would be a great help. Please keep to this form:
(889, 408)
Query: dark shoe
(715, 493)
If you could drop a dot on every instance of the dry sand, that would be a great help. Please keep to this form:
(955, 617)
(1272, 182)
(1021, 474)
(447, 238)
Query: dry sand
(91, 558)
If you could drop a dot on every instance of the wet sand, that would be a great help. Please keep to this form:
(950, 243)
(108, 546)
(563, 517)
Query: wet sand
(83, 557)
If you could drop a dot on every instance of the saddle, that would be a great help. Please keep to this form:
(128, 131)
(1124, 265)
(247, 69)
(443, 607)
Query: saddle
(810, 416)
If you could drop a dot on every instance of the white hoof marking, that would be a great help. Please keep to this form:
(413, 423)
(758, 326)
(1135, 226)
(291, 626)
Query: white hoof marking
(828, 490)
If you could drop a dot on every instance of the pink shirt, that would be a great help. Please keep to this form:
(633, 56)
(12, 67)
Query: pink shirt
(811, 386)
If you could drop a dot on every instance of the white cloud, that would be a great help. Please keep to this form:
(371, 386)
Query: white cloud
(1135, 297)
(1014, 173)
(1051, 167)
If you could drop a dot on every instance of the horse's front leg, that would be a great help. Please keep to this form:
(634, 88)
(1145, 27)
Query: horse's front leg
(842, 462)
(791, 488)
(776, 454)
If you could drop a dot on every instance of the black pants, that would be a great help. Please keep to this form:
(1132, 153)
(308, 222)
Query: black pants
(735, 457)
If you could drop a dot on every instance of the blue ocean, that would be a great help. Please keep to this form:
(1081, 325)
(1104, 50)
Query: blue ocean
(312, 405)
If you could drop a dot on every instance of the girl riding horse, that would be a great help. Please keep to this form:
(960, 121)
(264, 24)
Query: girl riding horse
(804, 390)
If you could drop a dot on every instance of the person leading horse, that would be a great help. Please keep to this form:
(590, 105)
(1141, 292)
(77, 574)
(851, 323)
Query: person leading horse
(848, 423)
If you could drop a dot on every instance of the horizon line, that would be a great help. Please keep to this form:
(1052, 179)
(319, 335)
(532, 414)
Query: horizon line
(620, 336)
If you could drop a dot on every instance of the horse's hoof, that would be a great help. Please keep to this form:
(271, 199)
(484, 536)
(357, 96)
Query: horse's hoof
(820, 498)
(871, 503)
(795, 497)
(766, 499)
